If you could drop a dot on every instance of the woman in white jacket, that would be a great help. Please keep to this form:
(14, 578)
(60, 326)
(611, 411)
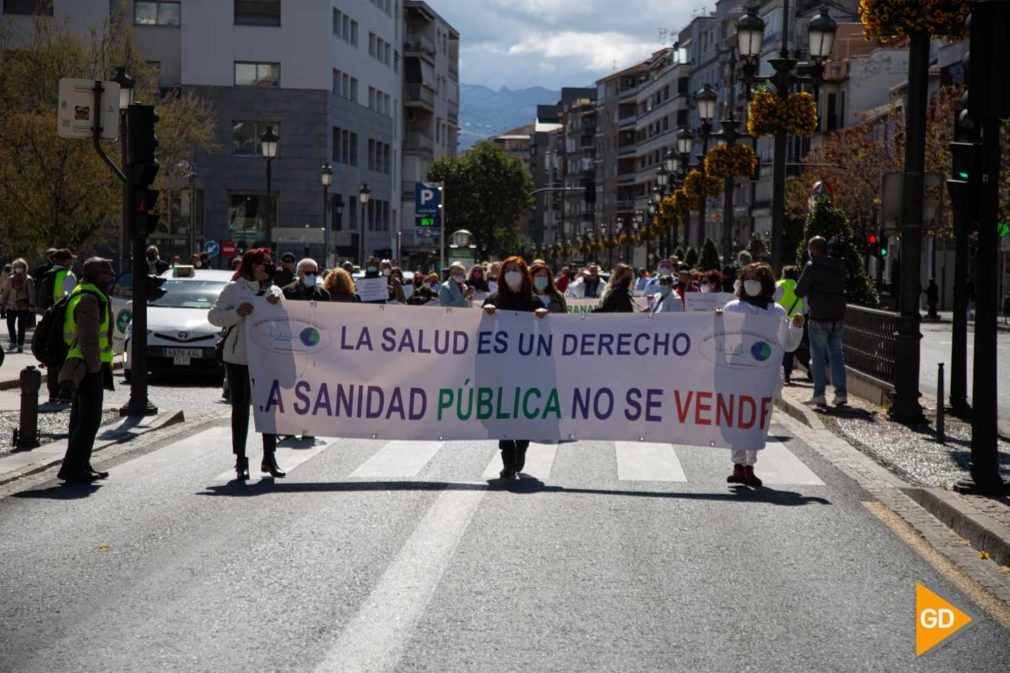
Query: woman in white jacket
(252, 279)
(755, 296)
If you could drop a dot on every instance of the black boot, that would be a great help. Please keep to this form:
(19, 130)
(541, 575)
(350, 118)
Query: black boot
(242, 468)
(270, 466)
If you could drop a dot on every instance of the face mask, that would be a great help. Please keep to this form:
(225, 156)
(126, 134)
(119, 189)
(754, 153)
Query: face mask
(106, 286)
(664, 290)
(19, 270)
(752, 288)
(540, 283)
(664, 270)
(269, 269)
(514, 279)
(458, 277)
(386, 272)
(152, 256)
(310, 280)
(372, 269)
(736, 285)
(706, 288)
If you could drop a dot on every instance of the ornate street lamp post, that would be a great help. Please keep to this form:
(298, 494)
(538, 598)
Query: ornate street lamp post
(363, 195)
(706, 99)
(268, 146)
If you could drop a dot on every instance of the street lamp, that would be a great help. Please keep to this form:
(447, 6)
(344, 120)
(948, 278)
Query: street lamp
(706, 99)
(363, 195)
(729, 135)
(326, 179)
(126, 84)
(188, 171)
(268, 146)
(750, 35)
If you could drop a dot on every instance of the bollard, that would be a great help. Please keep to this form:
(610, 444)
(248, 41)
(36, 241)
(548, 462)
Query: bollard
(941, 436)
(27, 436)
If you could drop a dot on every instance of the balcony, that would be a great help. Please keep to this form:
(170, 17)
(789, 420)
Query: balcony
(418, 142)
(454, 69)
(419, 45)
(629, 92)
(418, 95)
(453, 113)
(627, 150)
(627, 122)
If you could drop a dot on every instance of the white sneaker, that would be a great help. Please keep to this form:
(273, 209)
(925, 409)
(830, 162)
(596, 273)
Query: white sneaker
(840, 400)
(818, 401)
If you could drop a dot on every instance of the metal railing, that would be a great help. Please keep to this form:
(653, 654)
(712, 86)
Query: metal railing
(418, 142)
(418, 93)
(870, 342)
(419, 43)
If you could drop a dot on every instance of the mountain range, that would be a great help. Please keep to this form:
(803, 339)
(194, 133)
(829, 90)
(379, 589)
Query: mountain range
(484, 112)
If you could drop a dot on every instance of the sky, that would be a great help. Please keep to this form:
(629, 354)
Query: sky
(555, 43)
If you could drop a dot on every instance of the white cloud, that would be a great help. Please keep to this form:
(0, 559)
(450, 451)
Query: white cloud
(595, 51)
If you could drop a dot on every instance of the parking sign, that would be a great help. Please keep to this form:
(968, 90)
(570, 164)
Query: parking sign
(426, 198)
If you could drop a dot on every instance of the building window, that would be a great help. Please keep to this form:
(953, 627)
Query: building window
(352, 211)
(345, 27)
(345, 147)
(345, 86)
(159, 13)
(245, 136)
(257, 12)
(257, 74)
(28, 7)
(247, 215)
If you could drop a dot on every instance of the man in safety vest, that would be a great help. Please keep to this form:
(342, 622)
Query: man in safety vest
(87, 330)
(785, 292)
(58, 281)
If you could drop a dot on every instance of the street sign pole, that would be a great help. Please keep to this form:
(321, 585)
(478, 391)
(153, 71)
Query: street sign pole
(441, 227)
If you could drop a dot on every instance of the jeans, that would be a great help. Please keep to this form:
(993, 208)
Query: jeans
(241, 393)
(18, 320)
(85, 419)
(826, 341)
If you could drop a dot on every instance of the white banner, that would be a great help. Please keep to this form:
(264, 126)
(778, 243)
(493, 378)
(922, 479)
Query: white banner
(353, 370)
(707, 302)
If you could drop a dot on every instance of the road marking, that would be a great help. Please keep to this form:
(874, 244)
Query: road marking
(397, 459)
(778, 465)
(288, 458)
(539, 462)
(376, 637)
(645, 461)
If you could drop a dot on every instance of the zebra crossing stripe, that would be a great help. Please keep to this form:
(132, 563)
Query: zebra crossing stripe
(643, 461)
(397, 459)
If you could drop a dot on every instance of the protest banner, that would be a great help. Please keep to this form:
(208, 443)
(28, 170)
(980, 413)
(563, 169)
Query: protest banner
(372, 289)
(581, 305)
(353, 370)
(696, 302)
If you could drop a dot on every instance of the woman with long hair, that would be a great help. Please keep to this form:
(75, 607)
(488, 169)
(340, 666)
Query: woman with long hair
(545, 290)
(475, 279)
(254, 278)
(755, 296)
(617, 294)
(515, 293)
(340, 285)
(18, 301)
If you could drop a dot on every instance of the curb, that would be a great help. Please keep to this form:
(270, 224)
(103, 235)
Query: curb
(12, 384)
(800, 413)
(112, 436)
(981, 530)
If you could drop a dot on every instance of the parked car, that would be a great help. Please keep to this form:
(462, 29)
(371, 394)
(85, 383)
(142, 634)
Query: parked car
(179, 337)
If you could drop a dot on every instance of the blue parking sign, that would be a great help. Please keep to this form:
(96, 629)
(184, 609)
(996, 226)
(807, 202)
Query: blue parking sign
(212, 248)
(426, 198)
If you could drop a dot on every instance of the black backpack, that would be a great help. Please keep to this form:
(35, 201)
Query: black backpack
(48, 345)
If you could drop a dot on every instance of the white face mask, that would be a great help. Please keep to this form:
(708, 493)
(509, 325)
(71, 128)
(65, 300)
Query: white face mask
(664, 271)
(19, 270)
(311, 280)
(514, 279)
(706, 288)
(386, 272)
(458, 277)
(752, 288)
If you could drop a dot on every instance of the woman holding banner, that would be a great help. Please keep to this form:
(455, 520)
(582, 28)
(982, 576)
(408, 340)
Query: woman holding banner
(545, 290)
(617, 294)
(755, 296)
(254, 278)
(515, 293)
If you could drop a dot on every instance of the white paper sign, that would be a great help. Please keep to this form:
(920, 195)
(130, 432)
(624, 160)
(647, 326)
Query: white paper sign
(372, 289)
(695, 302)
(395, 372)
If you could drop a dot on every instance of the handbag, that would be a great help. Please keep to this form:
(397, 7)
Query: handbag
(219, 346)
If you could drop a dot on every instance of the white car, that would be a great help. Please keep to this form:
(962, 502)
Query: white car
(179, 337)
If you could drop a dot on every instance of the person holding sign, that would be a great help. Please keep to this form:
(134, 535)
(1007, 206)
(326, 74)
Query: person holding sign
(665, 300)
(254, 278)
(756, 294)
(545, 290)
(454, 292)
(515, 294)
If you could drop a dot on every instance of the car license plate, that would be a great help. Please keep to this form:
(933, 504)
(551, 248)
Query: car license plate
(180, 356)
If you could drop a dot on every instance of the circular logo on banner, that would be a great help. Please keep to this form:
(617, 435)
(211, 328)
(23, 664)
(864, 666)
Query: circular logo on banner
(761, 350)
(309, 337)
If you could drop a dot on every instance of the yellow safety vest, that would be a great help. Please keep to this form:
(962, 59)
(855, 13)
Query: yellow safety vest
(789, 297)
(58, 279)
(70, 324)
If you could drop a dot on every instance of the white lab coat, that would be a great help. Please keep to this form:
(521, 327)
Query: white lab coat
(789, 338)
(671, 303)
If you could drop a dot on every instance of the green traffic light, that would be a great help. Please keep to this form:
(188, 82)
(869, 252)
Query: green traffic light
(883, 252)
(963, 175)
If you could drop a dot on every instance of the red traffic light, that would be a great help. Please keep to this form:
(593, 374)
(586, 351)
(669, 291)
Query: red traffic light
(873, 239)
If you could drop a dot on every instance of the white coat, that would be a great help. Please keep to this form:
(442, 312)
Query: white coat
(224, 313)
(671, 303)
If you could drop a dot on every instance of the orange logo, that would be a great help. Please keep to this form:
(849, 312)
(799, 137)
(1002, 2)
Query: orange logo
(935, 620)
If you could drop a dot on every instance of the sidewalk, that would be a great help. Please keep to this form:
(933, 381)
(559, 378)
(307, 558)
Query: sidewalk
(914, 455)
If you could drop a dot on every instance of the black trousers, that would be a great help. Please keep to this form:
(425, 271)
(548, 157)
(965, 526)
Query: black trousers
(85, 419)
(17, 323)
(513, 453)
(241, 394)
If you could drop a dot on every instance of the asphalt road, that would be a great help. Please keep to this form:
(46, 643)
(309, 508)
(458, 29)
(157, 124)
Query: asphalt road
(936, 344)
(379, 556)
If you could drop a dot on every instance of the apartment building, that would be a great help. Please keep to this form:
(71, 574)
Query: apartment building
(330, 78)
(515, 143)
(430, 114)
(545, 168)
(577, 115)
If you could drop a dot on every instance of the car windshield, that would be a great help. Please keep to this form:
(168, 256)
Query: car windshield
(197, 294)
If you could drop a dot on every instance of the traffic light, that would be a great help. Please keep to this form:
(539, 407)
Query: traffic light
(882, 246)
(142, 145)
(988, 96)
(145, 218)
(756, 171)
(873, 244)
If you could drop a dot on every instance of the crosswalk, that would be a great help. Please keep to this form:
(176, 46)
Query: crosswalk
(631, 462)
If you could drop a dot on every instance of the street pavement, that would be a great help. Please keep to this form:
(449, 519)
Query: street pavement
(404, 556)
(936, 343)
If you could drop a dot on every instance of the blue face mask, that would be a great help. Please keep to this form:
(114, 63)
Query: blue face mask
(664, 290)
(540, 283)
(310, 280)
(372, 269)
